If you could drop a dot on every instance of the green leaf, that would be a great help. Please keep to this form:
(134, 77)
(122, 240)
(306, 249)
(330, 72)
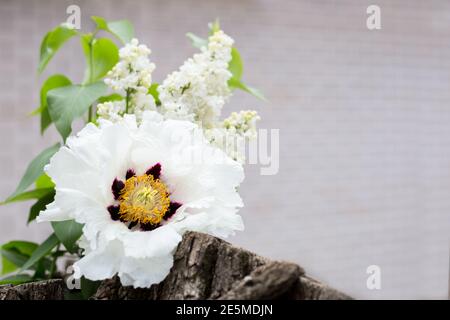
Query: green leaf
(68, 103)
(41, 267)
(44, 249)
(16, 279)
(85, 40)
(153, 90)
(88, 287)
(46, 120)
(16, 258)
(24, 247)
(235, 65)
(101, 56)
(68, 232)
(44, 181)
(52, 41)
(236, 68)
(236, 84)
(197, 41)
(7, 266)
(15, 254)
(101, 23)
(111, 97)
(34, 170)
(40, 205)
(27, 195)
(122, 29)
(54, 81)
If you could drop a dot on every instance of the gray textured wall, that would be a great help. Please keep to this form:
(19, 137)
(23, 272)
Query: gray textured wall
(364, 117)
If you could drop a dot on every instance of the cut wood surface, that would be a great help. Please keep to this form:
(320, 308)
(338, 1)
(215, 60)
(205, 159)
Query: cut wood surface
(204, 267)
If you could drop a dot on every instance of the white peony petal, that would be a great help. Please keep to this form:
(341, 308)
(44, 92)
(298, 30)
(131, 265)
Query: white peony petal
(151, 117)
(53, 213)
(142, 273)
(155, 243)
(218, 224)
(100, 264)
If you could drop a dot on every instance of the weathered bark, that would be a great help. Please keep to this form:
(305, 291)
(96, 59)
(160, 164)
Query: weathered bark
(270, 281)
(4, 290)
(204, 267)
(41, 290)
(307, 288)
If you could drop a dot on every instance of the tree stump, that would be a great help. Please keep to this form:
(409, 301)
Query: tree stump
(41, 290)
(204, 267)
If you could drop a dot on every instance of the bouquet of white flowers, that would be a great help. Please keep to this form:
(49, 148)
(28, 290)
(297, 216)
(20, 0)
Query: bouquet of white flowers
(152, 162)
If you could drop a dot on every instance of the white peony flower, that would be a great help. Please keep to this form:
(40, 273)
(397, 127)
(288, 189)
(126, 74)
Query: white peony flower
(137, 189)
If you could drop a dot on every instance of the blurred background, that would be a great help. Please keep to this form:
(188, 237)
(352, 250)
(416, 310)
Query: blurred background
(364, 119)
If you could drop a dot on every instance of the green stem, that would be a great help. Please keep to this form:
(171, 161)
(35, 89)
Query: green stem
(53, 266)
(127, 100)
(91, 70)
(89, 114)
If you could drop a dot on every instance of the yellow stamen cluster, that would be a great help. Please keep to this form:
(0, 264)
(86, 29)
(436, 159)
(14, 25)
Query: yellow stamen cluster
(144, 200)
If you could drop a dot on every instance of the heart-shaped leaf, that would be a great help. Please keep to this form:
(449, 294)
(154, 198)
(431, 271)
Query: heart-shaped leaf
(52, 41)
(101, 56)
(122, 29)
(70, 102)
(54, 81)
